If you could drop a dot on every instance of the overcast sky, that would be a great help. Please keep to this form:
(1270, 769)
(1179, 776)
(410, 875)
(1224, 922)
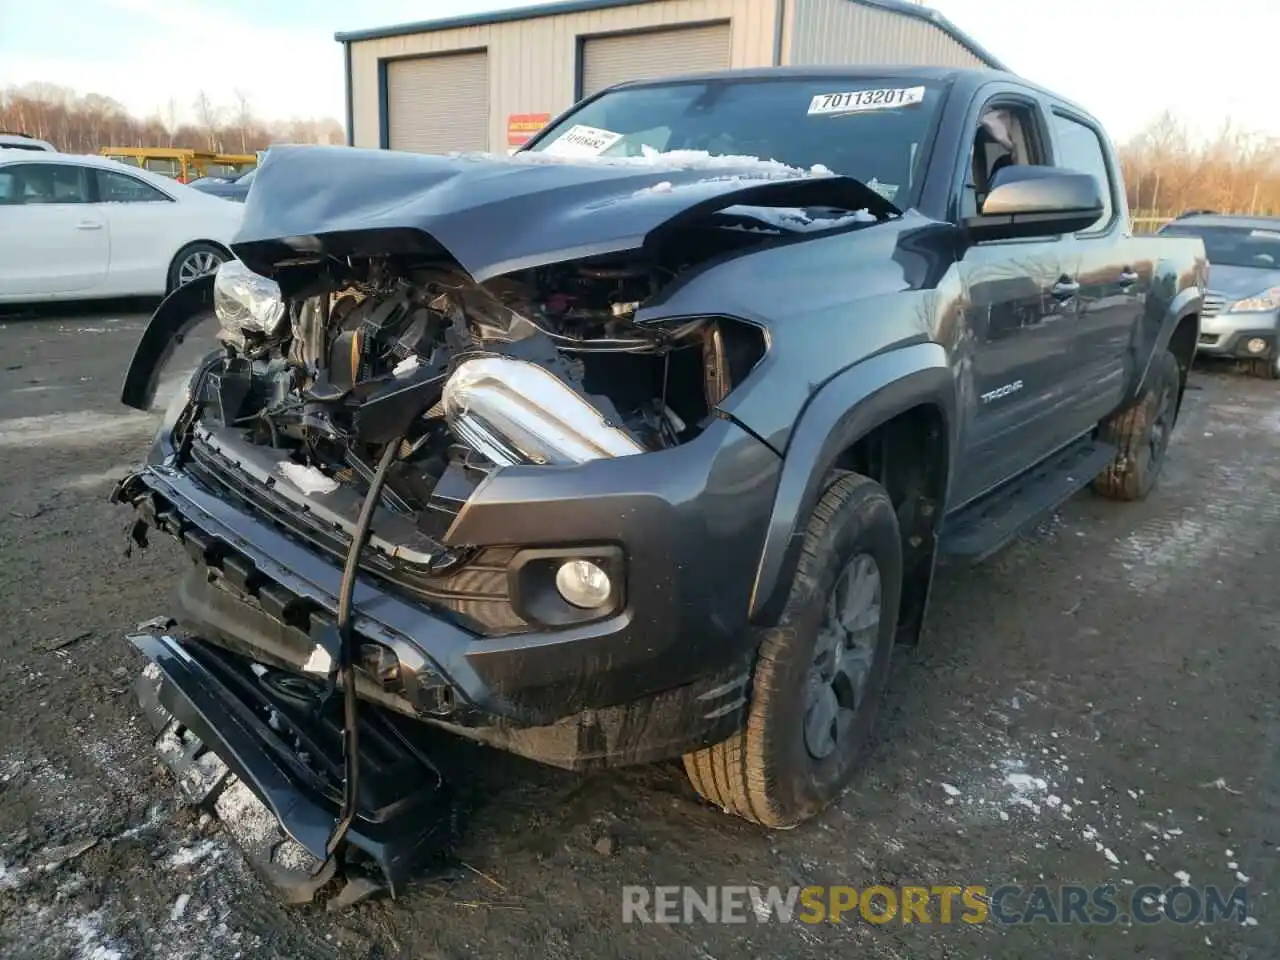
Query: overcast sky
(1126, 60)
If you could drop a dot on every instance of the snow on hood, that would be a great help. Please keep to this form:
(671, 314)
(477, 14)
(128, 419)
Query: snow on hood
(496, 214)
(677, 160)
(799, 220)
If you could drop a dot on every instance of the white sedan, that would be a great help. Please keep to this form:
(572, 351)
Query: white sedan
(82, 227)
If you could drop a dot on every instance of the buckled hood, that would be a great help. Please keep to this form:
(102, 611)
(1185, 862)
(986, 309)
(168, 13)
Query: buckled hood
(494, 215)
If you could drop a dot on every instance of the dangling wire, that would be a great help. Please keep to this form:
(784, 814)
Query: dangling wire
(346, 651)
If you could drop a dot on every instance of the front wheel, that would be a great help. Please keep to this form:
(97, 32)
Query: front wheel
(820, 673)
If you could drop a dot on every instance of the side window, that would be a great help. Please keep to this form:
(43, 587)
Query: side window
(1080, 149)
(36, 183)
(1006, 135)
(8, 188)
(121, 188)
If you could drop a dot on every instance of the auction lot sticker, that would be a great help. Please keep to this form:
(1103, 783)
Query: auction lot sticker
(583, 141)
(862, 101)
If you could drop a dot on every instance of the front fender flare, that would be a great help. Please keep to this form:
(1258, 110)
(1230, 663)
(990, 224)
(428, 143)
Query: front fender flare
(177, 314)
(846, 408)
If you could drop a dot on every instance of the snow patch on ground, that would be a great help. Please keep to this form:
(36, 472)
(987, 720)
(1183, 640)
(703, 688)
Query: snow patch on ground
(204, 880)
(191, 855)
(85, 482)
(83, 428)
(92, 945)
(1031, 783)
(1170, 550)
(245, 816)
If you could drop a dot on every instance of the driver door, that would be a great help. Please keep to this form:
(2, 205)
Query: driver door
(1021, 311)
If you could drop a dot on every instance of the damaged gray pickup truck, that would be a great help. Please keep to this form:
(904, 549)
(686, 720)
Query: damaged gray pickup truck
(642, 443)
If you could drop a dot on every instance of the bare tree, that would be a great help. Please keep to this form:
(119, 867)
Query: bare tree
(170, 119)
(207, 116)
(85, 124)
(244, 119)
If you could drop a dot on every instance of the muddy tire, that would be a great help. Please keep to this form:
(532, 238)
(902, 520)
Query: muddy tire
(820, 673)
(1141, 433)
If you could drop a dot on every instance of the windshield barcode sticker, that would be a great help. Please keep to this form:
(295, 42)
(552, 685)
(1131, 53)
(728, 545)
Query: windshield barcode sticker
(583, 141)
(861, 101)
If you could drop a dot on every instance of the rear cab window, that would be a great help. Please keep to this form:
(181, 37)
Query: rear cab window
(874, 129)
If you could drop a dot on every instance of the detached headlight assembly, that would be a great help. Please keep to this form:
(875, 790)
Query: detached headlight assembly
(245, 302)
(1264, 302)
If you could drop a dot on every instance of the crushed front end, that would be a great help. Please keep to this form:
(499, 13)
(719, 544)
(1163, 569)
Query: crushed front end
(484, 487)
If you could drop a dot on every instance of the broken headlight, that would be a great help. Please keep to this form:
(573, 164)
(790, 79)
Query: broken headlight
(514, 411)
(245, 302)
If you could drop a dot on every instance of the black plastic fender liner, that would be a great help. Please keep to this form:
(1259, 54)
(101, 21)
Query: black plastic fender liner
(177, 314)
(848, 407)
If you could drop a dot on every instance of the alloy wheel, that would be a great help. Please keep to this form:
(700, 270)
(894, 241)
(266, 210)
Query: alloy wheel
(843, 656)
(200, 263)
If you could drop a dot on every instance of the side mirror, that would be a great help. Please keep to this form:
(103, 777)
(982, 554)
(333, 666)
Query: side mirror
(1034, 201)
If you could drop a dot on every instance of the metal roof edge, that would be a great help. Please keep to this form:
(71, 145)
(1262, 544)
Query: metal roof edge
(560, 7)
(929, 15)
(506, 15)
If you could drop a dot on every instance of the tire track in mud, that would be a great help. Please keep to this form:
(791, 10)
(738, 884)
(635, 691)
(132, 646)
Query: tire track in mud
(1230, 510)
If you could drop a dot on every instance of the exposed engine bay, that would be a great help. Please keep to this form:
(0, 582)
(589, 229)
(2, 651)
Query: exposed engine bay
(543, 367)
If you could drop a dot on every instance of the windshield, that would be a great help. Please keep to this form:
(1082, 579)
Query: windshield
(1234, 246)
(871, 129)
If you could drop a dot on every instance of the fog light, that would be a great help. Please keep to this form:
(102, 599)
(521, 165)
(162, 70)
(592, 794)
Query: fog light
(1256, 345)
(583, 584)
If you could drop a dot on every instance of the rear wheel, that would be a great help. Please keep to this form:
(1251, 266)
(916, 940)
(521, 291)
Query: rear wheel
(194, 261)
(1141, 433)
(820, 673)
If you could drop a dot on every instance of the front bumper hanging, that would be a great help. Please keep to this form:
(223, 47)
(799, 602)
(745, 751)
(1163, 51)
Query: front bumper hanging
(262, 749)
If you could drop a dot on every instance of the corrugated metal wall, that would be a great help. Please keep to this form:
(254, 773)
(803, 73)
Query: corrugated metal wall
(532, 63)
(841, 32)
(657, 53)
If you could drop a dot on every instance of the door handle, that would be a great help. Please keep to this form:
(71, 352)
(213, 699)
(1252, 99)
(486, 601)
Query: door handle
(1065, 289)
(89, 225)
(1128, 278)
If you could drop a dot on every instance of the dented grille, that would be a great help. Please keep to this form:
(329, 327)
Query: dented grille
(476, 592)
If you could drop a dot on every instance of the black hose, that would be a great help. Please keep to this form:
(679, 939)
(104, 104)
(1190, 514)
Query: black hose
(346, 652)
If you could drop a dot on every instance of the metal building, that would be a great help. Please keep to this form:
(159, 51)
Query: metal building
(486, 82)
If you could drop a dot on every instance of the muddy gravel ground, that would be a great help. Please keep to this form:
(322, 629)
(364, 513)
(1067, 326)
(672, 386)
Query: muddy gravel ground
(1099, 704)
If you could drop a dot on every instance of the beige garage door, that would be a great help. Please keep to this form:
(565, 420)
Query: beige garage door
(643, 56)
(438, 104)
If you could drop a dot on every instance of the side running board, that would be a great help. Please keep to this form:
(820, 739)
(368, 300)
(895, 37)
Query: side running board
(983, 527)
